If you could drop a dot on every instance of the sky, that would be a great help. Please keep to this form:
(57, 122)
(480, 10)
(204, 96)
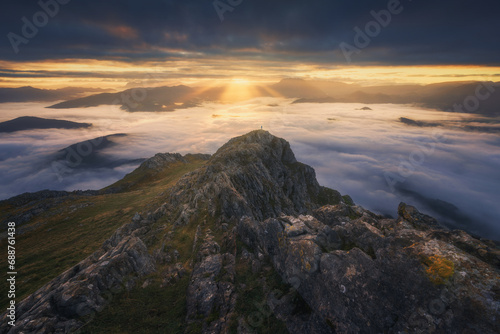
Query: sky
(109, 44)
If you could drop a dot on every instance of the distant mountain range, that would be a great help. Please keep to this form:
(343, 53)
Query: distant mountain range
(142, 99)
(448, 96)
(443, 96)
(32, 123)
(31, 94)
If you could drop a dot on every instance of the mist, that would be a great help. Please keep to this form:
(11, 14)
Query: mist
(448, 170)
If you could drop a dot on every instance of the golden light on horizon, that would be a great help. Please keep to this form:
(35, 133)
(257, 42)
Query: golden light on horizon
(240, 81)
(239, 89)
(115, 74)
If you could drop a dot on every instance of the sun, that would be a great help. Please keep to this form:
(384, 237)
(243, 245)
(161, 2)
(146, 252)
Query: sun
(240, 81)
(239, 89)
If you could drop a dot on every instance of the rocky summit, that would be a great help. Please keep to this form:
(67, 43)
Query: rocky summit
(247, 241)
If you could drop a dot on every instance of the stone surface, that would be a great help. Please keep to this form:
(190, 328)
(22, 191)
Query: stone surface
(378, 275)
(211, 295)
(255, 175)
(85, 289)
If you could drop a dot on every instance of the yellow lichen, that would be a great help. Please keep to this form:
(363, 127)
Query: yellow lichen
(439, 269)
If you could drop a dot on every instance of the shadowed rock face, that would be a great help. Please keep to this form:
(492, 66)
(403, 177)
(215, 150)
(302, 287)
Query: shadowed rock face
(371, 274)
(212, 287)
(254, 175)
(346, 269)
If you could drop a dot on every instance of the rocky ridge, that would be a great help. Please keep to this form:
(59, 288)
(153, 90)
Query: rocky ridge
(255, 175)
(372, 274)
(257, 212)
(74, 297)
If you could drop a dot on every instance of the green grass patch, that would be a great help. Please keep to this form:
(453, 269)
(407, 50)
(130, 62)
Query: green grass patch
(348, 200)
(144, 310)
(251, 302)
(65, 235)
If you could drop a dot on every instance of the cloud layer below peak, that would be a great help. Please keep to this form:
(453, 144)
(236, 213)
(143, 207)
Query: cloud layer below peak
(446, 170)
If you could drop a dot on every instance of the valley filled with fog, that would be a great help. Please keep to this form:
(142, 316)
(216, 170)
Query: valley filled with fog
(446, 164)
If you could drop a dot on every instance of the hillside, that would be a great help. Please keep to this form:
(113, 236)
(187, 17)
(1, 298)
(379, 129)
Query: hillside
(243, 241)
(90, 154)
(143, 99)
(31, 123)
(444, 96)
(32, 94)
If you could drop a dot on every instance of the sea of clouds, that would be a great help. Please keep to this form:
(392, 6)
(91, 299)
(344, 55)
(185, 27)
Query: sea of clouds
(449, 169)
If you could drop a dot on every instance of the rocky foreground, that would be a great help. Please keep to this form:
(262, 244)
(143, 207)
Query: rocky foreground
(343, 269)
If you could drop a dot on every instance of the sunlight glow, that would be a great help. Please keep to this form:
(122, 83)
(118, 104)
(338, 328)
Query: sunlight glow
(116, 74)
(239, 90)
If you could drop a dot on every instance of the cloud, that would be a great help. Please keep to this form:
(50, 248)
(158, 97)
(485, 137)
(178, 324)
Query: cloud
(293, 30)
(458, 168)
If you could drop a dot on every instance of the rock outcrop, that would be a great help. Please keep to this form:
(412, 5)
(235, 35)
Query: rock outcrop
(255, 175)
(62, 305)
(376, 275)
(211, 294)
(161, 160)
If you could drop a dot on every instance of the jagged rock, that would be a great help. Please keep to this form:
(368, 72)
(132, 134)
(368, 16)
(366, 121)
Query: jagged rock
(137, 217)
(413, 216)
(255, 175)
(82, 290)
(328, 239)
(198, 156)
(164, 254)
(209, 247)
(211, 293)
(335, 214)
(160, 160)
(293, 311)
(87, 287)
(482, 249)
(173, 274)
(398, 279)
(176, 254)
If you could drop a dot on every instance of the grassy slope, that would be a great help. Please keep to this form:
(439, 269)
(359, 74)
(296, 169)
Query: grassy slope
(59, 241)
(70, 235)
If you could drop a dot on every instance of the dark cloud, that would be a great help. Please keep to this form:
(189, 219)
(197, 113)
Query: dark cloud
(481, 125)
(412, 122)
(423, 33)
